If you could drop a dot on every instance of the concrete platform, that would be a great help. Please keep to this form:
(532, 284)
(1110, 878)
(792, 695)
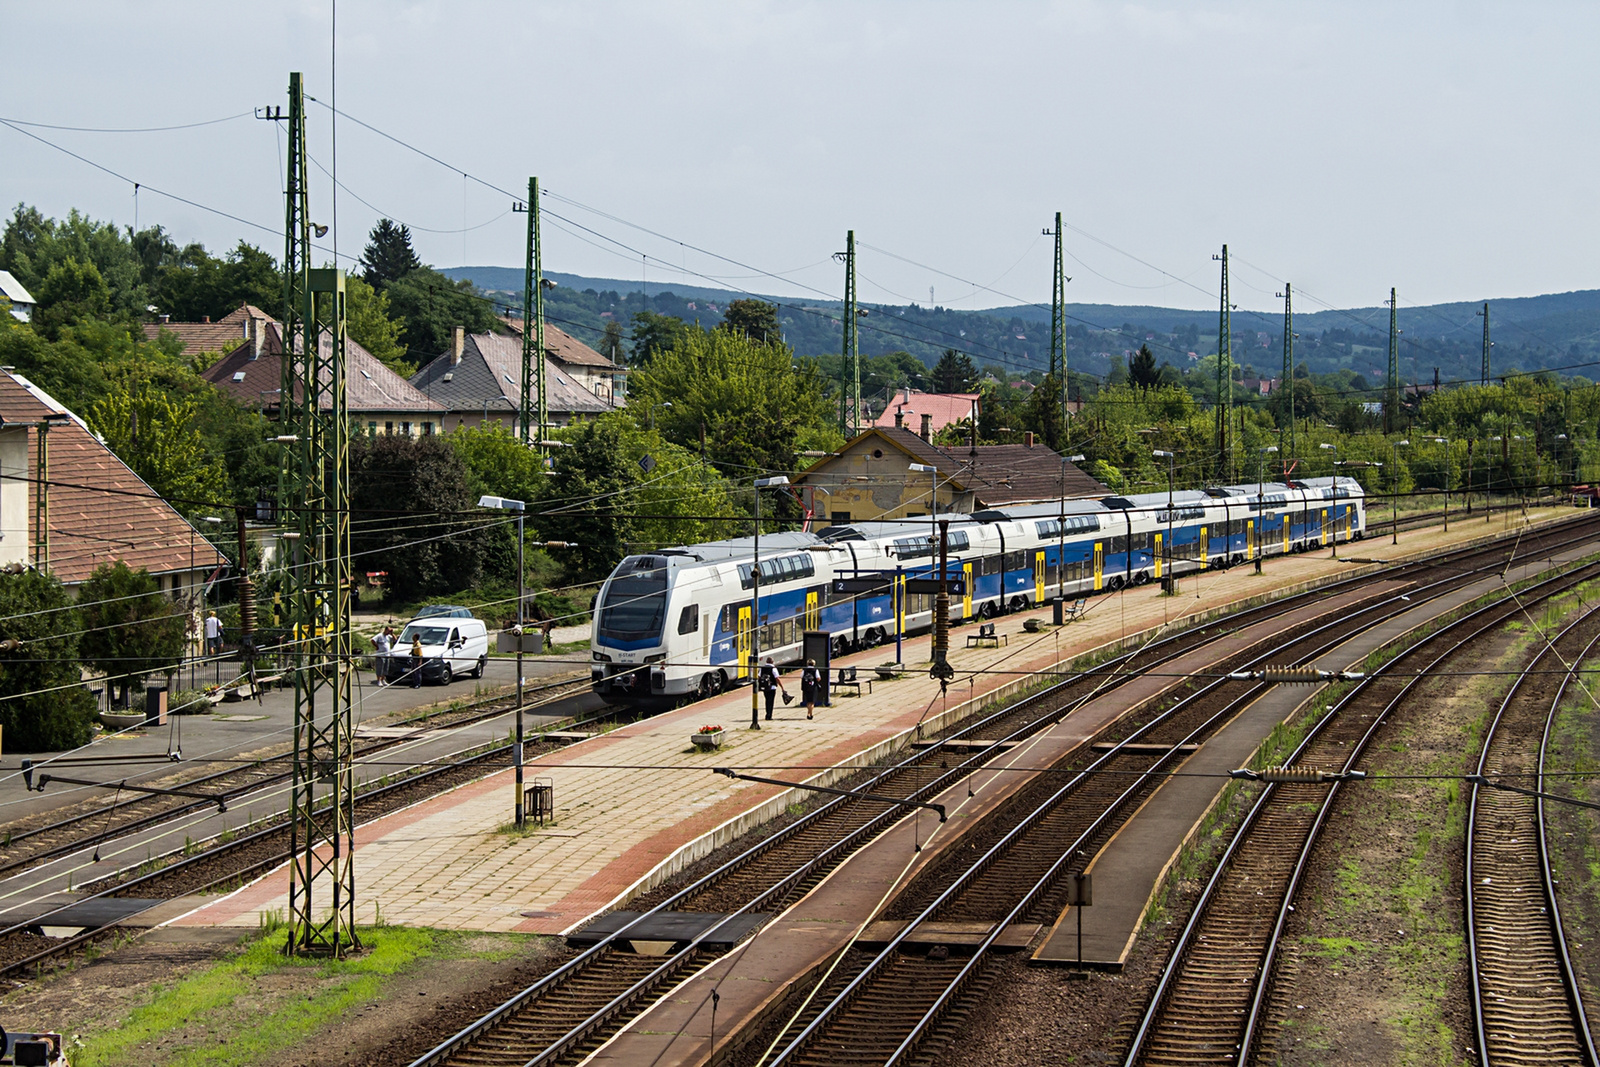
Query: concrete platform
(638, 804)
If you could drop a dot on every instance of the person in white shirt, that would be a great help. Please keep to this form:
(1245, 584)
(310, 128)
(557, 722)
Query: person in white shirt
(382, 643)
(213, 634)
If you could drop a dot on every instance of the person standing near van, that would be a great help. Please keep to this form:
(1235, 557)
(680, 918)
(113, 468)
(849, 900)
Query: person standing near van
(382, 642)
(810, 682)
(769, 683)
(415, 663)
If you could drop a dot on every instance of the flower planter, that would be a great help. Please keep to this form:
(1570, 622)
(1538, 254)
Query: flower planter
(708, 740)
(118, 720)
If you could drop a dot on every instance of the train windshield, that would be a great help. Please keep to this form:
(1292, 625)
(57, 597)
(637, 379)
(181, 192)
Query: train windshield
(635, 605)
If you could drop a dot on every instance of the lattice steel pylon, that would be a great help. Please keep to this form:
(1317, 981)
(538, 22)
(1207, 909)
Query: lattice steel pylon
(850, 387)
(316, 491)
(1224, 377)
(535, 405)
(1391, 385)
(1058, 323)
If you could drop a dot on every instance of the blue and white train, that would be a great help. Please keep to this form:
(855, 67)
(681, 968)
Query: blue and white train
(676, 624)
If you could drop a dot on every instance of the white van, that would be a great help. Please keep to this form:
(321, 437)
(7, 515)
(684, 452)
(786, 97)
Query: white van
(450, 647)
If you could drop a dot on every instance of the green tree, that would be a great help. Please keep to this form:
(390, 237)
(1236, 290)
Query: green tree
(1142, 372)
(610, 343)
(388, 256)
(758, 407)
(131, 630)
(368, 322)
(585, 504)
(499, 463)
(654, 333)
(72, 291)
(954, 373)
(413, 514)
(430, 306)
(43, 705)
(755, 319)
(156, 436)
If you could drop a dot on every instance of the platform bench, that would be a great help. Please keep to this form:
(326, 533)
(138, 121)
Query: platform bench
(987, 634)
(1076, 610)
(848, 680)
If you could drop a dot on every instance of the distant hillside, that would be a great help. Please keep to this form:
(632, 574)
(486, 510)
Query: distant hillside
(1558, 331)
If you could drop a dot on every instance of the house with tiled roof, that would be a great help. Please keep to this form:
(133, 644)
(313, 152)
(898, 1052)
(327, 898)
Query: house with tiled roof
(96, 510)
(379, 400)
(583, 364)
(479, 379)
(21, 301)
(871, 478)
(928, 413)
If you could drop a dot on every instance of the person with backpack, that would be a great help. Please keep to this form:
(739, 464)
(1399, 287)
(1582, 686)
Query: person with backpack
(810, 683)
(769, 683)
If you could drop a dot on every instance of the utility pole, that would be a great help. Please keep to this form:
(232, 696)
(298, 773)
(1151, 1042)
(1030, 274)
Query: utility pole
(1058, 322)
(1391, 404)
(1224, 374)
(1487, 344)
(1286, 448)
(535, 410)
(850, 386)
(316, 495)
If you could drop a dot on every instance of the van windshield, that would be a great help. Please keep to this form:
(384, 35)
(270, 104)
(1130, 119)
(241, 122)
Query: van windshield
(430, 635)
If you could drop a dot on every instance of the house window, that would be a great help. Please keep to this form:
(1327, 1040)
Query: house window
(427, 429)
(372, 428)
(405, 429)
(388, 428)
(841, 518)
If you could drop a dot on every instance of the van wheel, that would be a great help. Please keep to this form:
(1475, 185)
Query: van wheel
(483, 664)
(445, 675)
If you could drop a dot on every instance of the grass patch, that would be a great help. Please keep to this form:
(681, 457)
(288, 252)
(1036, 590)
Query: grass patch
(242, 1012)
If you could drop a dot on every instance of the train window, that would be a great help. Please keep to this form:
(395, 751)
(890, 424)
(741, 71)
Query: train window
(689, 619)
(958, 540)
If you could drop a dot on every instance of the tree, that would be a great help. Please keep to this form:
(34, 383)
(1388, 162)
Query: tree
(757, 405)
(654, 333)
(388, 256)
(954, 373)
(131, 630)
(586, 485)
(429, 306)
(413, 514)
(1142, 373)
(369, 325)
(610, 344)
(154, 434)
(43, 705)
(70, 292)
(755, 319)
(192, 283)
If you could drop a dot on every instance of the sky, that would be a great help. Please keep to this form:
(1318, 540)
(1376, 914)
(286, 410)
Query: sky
(1446, 149)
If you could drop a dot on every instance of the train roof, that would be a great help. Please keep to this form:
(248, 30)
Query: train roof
(740, 547)
(869, 531)
(1047, 510)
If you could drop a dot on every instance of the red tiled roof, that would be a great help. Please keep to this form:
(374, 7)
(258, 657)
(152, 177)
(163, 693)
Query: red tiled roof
(100, 511)
(945, 408)
(198, 337)
(564, 348)
(371, 388)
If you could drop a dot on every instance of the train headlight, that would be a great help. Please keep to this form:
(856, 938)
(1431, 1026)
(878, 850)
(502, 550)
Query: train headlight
(601, 657)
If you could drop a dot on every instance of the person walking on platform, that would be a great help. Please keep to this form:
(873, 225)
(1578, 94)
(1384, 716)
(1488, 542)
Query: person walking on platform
(769, 683)
(810, 682)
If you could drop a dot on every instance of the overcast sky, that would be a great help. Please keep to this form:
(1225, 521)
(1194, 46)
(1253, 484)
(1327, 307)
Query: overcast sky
(1448, 149)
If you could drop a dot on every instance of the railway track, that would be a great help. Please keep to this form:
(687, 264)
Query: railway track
(1209, 1002)
(777, 871)
(27, 846)
(1526, 1003)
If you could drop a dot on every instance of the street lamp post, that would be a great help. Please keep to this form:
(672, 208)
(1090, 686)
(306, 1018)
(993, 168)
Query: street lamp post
(1334, 448)
(661, 404)
(933, 500)
(1446, 442)
(501, 503)
(1394, 488)
(1061, 530)
(1166, 549)
(1261, 489)
(755, 604)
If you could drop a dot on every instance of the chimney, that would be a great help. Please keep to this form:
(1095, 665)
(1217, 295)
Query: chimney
(458, 344)
(1027, 439)
(205, 318)
(165, 317)
(972, 438)
(254, 329)
(899, 418)
(905, 394)
(927, 428)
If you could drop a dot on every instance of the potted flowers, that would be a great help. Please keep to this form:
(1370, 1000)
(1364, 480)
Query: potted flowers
(707, 737)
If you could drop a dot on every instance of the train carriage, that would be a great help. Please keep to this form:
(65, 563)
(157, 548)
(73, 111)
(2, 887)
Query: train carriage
(678, 624)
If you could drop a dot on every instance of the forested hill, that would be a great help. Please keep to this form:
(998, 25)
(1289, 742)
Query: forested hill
(1558, 331)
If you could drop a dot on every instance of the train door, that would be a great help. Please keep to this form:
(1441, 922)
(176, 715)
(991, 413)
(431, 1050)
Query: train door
(1249, 539)
(900, 603)
(1099, 565)
(966, 596)
(1286, 525)
(813, 611)
(742, 647)
(1204, 546)
(1157, 559)
(1038, 577)
(1322, 526)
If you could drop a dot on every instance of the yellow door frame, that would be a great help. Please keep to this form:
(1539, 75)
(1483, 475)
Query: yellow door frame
(742, 646)
(1158, 554)
(1099, 565)
(1038, 576)
(966, 596)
